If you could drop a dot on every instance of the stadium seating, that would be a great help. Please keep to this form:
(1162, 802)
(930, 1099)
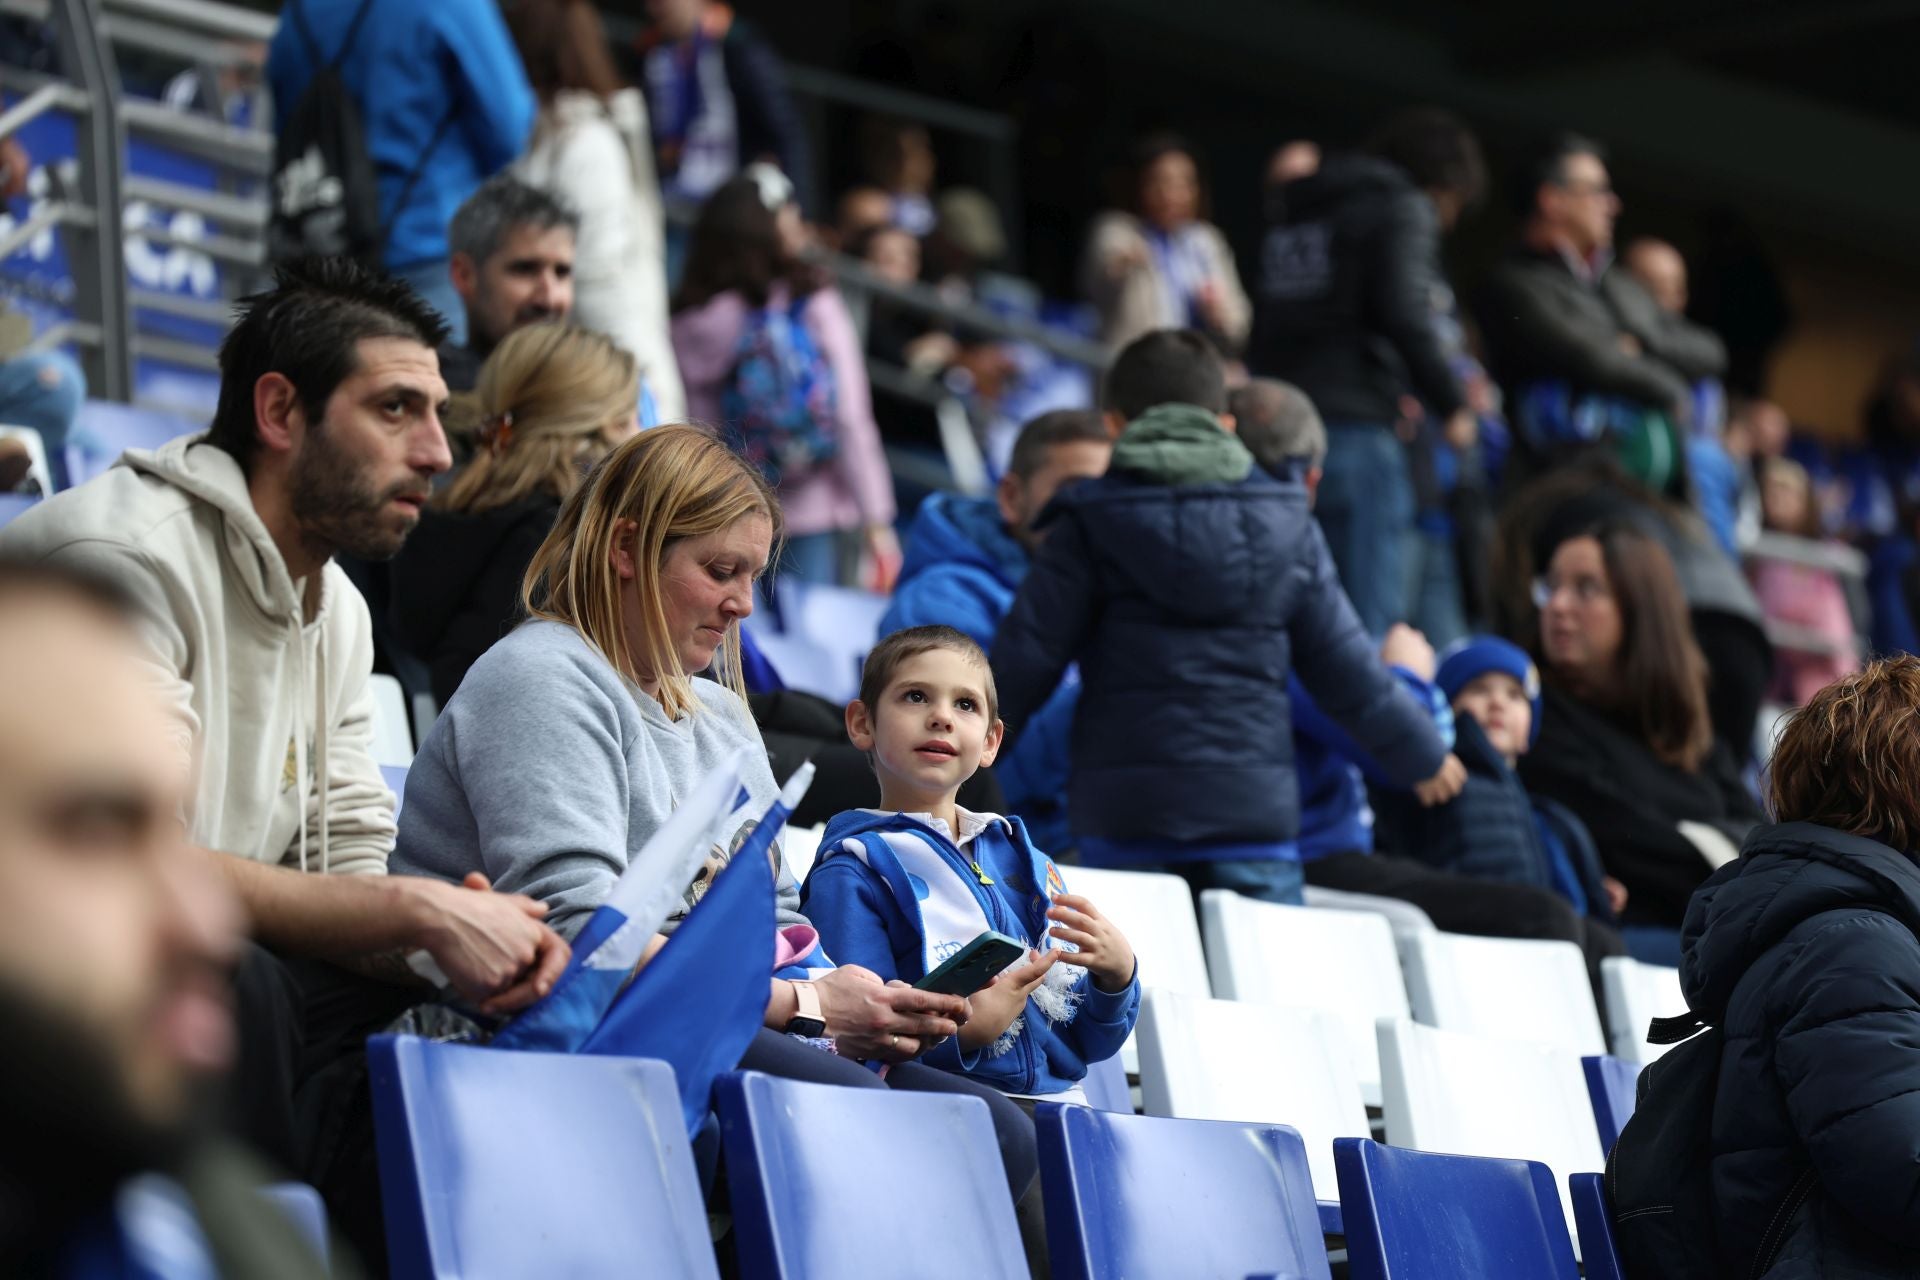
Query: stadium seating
(1503, 988)
(1593, 1219)
(392, 735)
(1155, 1199)
(833, 1182)
(304, 1208)
(1106, 1086)
(395, 776)
(1418, 1215)
(817, 636)
(1636, 994)
(1252, 1063)
(1341, 961)
(1613, 1086)
(13, 504)
(1155, 912)
(496, 1163)
(799, 846)
(104, 430)
(1446, 1091)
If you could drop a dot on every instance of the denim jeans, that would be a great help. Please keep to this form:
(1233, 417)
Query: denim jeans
(1269, 880)
(433, 281)
(43, 392)
(1365, 508)
(1433, 587)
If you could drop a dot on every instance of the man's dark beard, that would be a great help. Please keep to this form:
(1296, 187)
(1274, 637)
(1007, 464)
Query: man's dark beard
(72, 1134)
(336, 510)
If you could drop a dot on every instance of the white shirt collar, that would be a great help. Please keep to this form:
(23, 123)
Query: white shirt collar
(971, 824)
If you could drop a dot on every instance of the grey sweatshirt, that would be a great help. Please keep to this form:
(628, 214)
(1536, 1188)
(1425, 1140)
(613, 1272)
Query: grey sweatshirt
(548, 770)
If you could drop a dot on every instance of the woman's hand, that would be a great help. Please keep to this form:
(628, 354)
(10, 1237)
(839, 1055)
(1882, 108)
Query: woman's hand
(867, 1018)
(995, 1006)
(1444, 785)
(883, 545)
(1103, 949)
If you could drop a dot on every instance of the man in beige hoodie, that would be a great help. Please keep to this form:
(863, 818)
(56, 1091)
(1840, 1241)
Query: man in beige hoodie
(326, 438)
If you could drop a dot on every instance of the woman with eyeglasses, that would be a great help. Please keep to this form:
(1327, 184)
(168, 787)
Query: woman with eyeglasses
(1626, 740)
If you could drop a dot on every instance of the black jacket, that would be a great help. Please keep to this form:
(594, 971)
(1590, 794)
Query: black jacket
(1633, 803)
(456, 584)
(1187, 583)
(1543, 323)
(1804, 953)
(1348, 287)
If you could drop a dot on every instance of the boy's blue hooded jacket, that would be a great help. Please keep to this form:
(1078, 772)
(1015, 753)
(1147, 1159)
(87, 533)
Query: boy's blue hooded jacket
(868, 914)
(1189, 585)
(962, 570)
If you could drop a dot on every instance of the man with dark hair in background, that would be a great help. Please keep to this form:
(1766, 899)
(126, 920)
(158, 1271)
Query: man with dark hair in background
(325, 439)
(965, 560)
(512, 249)
(1587, 356)
(116, 941)
(1349, 283)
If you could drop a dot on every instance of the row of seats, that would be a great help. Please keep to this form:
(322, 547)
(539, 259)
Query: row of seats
(599, 1174)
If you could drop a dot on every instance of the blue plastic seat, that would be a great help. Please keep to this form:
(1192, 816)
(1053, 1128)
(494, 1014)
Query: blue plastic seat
(496, 1162)
(304, 1208)
(395, 776)
(1594, 1220)
(1417, 1215)
(1106, 1086)
(830, 1183)
(13, 504)
(1147, 1197)
(1613, 1085)
(104, 430)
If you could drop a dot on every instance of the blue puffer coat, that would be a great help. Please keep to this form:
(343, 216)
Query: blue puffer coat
(1188, 584)
(1804, 952)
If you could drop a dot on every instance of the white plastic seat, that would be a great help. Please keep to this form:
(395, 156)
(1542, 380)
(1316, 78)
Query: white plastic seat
(392, 735)
(1503, 989)
(1226, 1060)
(1637, 993)
(1445, 1091)
(1342, 962)
(800, 846)
(1154, 911)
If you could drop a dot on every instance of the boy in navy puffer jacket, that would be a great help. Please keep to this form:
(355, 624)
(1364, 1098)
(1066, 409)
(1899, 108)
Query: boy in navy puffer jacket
(899, 889)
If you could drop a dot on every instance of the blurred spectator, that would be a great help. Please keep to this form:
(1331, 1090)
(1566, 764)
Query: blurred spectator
(899, 162)
(766, 346)
(1350, 273)
(1291, 162)
(1661, 271)
(116, 940)
(444, 103)
(1626, 741)
(965, 561)
(552, 401)
(1185, 581)
(1757, 430)
(1808, 599)
(1162, 266)
(513, 252)
(327, 438)
(861, 210)
(592, 130)
(1281, 428)
(717, 97)
(40, 391)
(1587, 357)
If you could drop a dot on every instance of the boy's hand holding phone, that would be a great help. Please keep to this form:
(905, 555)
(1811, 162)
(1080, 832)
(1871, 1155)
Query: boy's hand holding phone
(992, 1009)
(1104, 950)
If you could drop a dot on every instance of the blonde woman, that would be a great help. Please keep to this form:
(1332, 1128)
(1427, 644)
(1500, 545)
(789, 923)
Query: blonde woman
(571, 739)
(551, 401)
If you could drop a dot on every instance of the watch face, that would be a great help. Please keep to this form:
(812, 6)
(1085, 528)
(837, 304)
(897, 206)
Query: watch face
(809, 1028)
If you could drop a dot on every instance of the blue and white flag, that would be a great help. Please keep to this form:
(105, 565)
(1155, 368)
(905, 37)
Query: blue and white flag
(699, 1001)
(614, 937)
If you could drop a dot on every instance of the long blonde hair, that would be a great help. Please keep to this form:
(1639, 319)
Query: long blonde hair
(673, 483)
(546, 399)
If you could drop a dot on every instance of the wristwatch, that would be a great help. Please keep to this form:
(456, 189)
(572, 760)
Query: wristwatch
(807, 1020)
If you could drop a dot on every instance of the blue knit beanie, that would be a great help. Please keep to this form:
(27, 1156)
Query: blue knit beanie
(1467, 660)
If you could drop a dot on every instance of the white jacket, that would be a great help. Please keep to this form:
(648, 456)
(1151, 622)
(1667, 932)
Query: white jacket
(273, 697)
(596, 156)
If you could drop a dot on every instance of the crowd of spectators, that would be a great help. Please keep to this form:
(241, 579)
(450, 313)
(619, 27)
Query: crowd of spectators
(1333, 582)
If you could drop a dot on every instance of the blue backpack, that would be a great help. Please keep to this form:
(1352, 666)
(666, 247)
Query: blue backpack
(780, 402)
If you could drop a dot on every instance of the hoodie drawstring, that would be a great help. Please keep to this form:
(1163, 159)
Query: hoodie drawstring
(316, 793)
(300, 710)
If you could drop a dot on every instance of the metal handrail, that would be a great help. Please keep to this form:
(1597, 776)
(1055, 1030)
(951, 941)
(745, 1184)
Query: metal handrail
(36, 104)
(208, 16)
(245, 151)
(1834, 557)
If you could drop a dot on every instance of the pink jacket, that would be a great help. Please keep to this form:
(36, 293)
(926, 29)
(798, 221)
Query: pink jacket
(856, 489)
(1811, 599)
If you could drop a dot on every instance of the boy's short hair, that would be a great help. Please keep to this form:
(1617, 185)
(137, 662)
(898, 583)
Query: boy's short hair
(1060, 426)
(1167, 366)
(1278, 424)
(910, 642)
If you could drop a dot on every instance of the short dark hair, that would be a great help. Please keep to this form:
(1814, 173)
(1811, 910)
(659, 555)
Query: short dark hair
(1061, 426)
(1547, 164)
(308, 327)
(502, 204)
(736, 248)
(885, 658)
(1436, 149)
(1167, 366)
(1278, 424)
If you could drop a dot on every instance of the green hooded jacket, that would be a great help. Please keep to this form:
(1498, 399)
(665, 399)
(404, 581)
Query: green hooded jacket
(1179, 444)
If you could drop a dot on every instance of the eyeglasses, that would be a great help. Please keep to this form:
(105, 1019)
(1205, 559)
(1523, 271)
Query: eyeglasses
(1586, 591)
(1601, 189)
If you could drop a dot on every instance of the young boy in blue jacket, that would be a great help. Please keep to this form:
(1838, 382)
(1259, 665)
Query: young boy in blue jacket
(898, 889)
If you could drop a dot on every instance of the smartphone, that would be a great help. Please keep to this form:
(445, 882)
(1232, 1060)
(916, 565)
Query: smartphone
(974, 965)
